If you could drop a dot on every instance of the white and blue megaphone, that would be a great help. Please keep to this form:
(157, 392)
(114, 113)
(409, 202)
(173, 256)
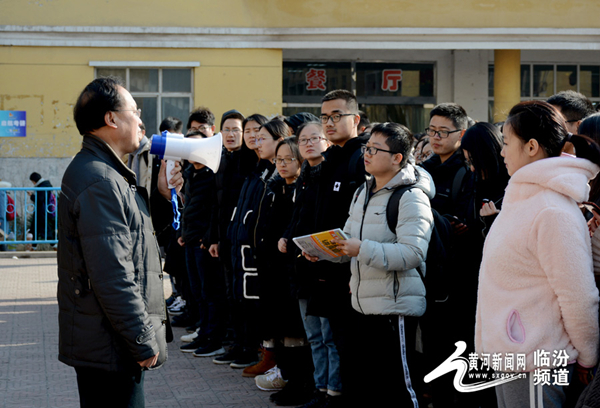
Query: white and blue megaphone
(174, 147)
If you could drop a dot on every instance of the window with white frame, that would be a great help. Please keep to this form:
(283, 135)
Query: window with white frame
(541, 81)
(158, 92)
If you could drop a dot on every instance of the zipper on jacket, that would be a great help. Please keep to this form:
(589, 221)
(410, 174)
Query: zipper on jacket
(362, 222)
(396, 287)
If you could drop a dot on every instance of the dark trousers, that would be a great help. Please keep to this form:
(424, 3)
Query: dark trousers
(101, 389)
(227, 271)
(251, 338)
(378, 359)
(246, 321)
(295, 363)
(208, 288)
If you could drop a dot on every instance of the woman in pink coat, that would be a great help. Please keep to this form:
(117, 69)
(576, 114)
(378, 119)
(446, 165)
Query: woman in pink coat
(536, 283)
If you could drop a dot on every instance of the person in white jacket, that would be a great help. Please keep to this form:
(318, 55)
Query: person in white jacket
(536, 284)
(388, 293)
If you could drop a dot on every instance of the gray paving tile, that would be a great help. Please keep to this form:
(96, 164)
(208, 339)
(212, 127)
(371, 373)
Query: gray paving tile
(32, 376)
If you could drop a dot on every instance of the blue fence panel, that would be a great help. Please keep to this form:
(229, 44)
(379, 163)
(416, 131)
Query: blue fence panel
(33, 210)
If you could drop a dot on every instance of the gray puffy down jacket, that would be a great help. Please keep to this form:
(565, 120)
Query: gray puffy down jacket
(384, 276)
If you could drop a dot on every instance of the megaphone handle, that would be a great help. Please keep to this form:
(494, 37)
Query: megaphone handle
(170, 166)
(176, 213)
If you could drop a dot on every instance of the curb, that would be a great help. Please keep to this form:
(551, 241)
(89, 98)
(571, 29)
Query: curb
(27, 254)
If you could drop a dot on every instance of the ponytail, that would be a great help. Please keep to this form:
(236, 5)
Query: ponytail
(543, 122)
(585, 148)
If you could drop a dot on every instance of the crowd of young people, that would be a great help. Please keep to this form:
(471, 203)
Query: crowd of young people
(364, 330)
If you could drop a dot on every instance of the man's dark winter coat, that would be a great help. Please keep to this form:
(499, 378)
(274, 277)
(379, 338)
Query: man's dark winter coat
(110, 284)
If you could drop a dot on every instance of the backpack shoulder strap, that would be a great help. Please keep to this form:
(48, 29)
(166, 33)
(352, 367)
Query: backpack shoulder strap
(391, 211)
(358, 191)
(457, 182)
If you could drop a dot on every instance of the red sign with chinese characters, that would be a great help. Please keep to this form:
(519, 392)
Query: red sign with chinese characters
(316, 79)
(391, 79)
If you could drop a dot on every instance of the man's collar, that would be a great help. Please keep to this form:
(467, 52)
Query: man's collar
(96, 144)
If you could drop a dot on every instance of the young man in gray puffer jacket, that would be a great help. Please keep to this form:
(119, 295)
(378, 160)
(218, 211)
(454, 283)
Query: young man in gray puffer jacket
(388, 293)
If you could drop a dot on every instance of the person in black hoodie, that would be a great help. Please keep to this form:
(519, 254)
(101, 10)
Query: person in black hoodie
(242, 234)
(339, 175)
(206, 281)
(481, 146)
(325, 358)
(236, 165)
(201, 119)
(454, 186)
(284, 330)
(237, 161)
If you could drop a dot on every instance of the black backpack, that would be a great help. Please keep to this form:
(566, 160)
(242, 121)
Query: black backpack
(436, 279)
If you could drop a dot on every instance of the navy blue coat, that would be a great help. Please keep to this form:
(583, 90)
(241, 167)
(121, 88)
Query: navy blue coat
(242, 231)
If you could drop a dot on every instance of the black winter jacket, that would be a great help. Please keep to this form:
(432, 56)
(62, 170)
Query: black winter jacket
(302, 223)
(233, 170)
(243, 229)
(323, 198)
(200, 204)
(275, 268)
(443, 175)
(110, 284)
(464, 252)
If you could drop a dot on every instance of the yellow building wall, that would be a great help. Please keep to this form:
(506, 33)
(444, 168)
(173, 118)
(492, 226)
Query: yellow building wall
(306, 13)
(46, 81)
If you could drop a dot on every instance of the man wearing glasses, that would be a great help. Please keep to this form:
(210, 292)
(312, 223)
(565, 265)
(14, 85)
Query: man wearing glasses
(447, 124)
(202, 119)
(341, 173)
(574, 107)
(454, 200)
(112, 319)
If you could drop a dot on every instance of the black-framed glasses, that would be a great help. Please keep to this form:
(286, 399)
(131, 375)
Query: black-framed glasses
(313, 140)
(441, 133)
(286, 160)
(335, 118)
(201, 127)
(234, 131)
(371, 150)
(136, 112)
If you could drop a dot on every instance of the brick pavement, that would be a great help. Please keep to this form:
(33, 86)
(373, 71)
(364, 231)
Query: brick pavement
(32, 376)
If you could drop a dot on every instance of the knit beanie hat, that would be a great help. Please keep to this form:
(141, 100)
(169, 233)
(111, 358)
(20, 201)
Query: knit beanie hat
(296, 120)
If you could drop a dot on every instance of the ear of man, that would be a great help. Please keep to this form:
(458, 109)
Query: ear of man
(110, 119)
(397, 158)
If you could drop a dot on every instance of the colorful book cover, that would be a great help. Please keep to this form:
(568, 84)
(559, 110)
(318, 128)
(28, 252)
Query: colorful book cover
(320, 244)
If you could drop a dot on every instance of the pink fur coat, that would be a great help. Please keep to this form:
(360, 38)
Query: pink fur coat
(536, 283)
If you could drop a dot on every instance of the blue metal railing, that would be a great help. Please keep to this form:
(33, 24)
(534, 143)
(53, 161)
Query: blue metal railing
(34, 211)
